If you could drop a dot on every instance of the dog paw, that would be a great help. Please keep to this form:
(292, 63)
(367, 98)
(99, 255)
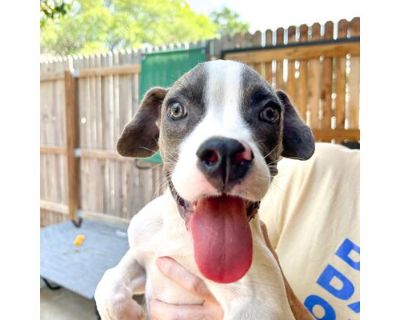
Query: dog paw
(114, 301)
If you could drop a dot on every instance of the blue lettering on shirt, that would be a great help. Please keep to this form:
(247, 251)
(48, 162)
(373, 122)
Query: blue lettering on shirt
(344, 288)
(325, 281)
(314, 300)
(344, 253)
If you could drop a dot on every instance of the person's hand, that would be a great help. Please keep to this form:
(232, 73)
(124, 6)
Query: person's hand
(210, 309)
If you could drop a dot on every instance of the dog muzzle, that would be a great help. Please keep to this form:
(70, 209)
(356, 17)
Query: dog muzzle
(221, 234)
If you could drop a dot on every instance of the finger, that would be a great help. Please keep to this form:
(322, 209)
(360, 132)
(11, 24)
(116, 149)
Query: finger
(177, 273)
(161, 310)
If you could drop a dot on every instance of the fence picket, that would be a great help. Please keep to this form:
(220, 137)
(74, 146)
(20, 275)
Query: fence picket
(52, 128)
(280, 84)
(44, 172)
(120, 104)
(303, 77)
(254, 40)
(340, 103)
(291, 81)
(268, 66)
(58, 132)
(314, 83)
(326, 90)
(90, 106)
(77, 64)
(352, 114)
(99, 163)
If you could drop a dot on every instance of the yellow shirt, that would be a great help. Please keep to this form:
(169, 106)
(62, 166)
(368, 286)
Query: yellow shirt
(312, 216)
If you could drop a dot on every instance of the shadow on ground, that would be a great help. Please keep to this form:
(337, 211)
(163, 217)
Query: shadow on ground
(63, 304)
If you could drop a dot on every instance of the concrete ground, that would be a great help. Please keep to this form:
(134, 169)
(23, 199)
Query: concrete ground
(63, 304)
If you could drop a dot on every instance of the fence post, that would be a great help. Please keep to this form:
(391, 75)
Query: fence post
(72, 132)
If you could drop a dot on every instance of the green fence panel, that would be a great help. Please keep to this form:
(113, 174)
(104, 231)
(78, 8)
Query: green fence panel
(162, 69)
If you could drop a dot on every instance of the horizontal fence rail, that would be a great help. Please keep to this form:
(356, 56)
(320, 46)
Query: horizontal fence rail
(294, 52)
(86, 101)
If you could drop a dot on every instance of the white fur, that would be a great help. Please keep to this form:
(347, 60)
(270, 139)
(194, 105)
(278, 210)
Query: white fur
(158, 230)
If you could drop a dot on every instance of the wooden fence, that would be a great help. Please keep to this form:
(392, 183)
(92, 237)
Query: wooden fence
(320, 72)
(82, 116)
(86, 101)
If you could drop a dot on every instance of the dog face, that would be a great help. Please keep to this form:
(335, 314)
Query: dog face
(221, 129)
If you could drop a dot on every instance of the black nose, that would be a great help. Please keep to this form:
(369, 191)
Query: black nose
(224, 161)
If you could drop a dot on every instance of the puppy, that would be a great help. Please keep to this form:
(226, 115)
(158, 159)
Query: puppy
(221, 130)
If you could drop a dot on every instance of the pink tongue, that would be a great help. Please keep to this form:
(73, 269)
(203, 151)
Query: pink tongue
(223, 245)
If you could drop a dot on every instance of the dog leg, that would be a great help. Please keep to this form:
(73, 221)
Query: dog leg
(115, 290)
(298, 309)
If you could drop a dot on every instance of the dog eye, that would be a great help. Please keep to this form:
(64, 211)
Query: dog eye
(176, 111)
(269, 114)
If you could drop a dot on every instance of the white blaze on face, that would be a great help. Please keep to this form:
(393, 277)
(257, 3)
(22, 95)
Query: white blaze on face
(223, 99)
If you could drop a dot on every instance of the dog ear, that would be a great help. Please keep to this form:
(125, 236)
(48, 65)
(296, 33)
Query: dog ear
(139, 138)
(298, 140)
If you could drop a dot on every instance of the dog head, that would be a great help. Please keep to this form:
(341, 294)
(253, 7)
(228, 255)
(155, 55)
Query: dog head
(221, 129)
